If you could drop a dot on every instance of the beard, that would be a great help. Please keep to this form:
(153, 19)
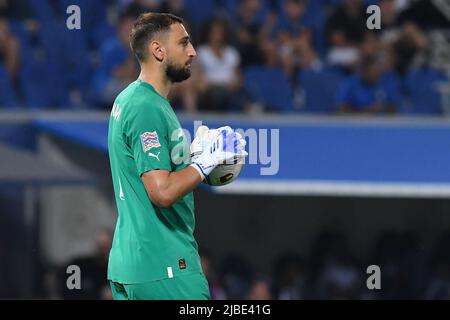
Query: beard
(176, 73)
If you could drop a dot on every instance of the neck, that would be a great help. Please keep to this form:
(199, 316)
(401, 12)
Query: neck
(157, 79)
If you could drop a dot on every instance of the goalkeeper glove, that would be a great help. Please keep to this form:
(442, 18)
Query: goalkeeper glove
(213, 147)
(204, 136)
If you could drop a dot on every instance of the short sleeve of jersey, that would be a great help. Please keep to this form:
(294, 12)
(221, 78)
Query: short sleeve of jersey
(146, 131)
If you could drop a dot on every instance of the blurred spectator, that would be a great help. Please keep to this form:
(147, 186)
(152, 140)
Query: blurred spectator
(438, 284)
(118, 66)
(292, 35)
(402, 39)
(372, 45)
(9, 49)
(94, 268)
(215, 286)
(308, 59)
(9, 64)
(332, 271)
(289, 277)
(345, 32)
(366, 92)
(259, 290)
(390, 20)
(406, 47)
(340, 281)
(219, 80)
(251, 31)
(427, 14)
(236, 275)
(397, 255)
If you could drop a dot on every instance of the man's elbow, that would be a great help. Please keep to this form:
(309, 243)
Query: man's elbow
(163, 201)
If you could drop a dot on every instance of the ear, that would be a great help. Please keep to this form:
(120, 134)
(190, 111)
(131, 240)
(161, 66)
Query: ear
(157, 50)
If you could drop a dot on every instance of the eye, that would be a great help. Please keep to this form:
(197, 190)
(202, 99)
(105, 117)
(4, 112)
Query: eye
(185, 42)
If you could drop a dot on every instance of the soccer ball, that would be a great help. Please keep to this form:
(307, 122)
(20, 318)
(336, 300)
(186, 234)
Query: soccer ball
(225, 173)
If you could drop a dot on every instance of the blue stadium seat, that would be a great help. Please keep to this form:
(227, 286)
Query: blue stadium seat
(34, 90)
(44, 86)
(42, 9)
(392, 80)
(8, 97)
(43, 79)
(271, 86)
(421, 89)
(73, 51)
(200, 10)
(64, 65)
(319, 87)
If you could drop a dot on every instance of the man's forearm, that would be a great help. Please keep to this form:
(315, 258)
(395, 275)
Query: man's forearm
(168, 187)
(182, 182)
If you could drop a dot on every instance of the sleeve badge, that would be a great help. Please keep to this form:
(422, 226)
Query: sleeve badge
(149, 141)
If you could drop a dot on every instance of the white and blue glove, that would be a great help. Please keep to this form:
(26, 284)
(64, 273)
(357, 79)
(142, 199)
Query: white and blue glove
(211, 148)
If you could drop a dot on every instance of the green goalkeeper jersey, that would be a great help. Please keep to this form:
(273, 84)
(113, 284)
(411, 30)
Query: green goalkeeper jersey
(150, 243)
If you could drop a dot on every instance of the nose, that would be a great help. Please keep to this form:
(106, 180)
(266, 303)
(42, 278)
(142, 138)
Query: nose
(192, 53)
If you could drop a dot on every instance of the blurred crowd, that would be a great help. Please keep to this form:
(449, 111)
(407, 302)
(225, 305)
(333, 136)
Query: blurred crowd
(253, 56)
(329, 270)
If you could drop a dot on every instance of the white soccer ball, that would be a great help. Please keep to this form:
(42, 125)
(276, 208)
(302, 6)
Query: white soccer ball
(225, 173)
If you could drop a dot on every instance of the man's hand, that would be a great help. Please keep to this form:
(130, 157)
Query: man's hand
(204, 136)
(213, 147)
(201, 140)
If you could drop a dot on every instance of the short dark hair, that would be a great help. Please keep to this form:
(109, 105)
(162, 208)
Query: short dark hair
(146, 27)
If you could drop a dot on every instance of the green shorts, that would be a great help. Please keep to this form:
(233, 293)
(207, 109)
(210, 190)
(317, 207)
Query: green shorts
(187, 287)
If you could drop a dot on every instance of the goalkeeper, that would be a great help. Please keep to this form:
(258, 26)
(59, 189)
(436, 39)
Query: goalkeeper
(154, 254)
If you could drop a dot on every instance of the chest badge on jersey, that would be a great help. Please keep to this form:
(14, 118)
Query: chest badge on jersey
(150, 140)
(182, 264)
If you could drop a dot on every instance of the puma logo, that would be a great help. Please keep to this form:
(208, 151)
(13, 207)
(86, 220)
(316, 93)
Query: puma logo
(154, 155)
